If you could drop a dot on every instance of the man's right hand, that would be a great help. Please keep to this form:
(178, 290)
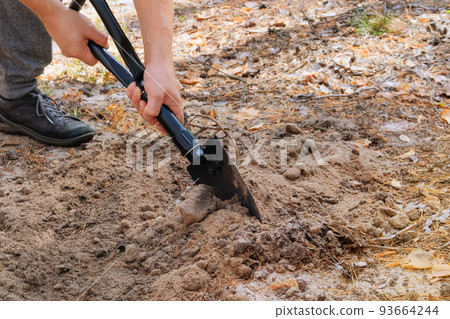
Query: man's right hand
(71, 30)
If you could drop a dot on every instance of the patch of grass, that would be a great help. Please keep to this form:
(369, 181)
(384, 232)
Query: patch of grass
(47, 90)
(374, 25)
(80, 71)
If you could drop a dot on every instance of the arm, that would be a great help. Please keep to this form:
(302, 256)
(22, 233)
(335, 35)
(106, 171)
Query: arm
(70, 30)
(161, 85)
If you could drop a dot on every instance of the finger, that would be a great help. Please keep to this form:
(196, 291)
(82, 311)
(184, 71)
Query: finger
(136, 98)
(130, 90)
(153, 107)
(87, 57)
(142, 106)
(98, 37)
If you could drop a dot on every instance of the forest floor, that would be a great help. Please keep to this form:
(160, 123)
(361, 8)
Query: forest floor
(340, 114)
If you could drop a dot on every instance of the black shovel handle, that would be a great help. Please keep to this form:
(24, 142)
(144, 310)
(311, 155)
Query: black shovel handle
(185, 141)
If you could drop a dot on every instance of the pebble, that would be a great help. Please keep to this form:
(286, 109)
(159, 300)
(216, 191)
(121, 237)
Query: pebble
(236, 262)
(193, 282)
(25, 191)
(302, 284)
(414, 215)
(241, 245)
(202, 264)
(293, 129)
(131, 254)
(412, 295)
(212, 266)
(445, 290)
(82, 257)
(243, 271)
(388, 211)
(155, 272)
(291, 292)
(399, 221)
(33, 279)
(292, 173)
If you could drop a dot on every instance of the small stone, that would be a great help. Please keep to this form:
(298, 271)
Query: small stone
(33, 279)
(58, 287)
(399, 221)
(2, 193)
(155, 272)
(261, 274)
(96, 240)
(291, 292)
(25, 191)
(212, 266)
(198, 203)
(131, 254)
(236, 262)
(412, 295)
(292, 173)
(293, 129)
(388, 211)
(243, 271)
(360, 264)
(193, 282)
(302, 284)
(414, 215)
(148, 215)
(241, 245)
(445, 290)
(202, 264)
(82, 257)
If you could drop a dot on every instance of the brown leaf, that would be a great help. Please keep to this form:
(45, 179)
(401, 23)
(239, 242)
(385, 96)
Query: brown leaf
(291, 282)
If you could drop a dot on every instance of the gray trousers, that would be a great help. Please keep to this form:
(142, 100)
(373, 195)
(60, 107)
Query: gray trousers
(25, 49)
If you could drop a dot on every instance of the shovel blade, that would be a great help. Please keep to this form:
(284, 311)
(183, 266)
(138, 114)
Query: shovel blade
(221, 174)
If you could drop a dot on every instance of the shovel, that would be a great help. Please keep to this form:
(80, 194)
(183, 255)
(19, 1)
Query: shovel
(209, 163)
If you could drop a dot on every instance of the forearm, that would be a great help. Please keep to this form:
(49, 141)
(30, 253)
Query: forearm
(46, 10)
(156, 19)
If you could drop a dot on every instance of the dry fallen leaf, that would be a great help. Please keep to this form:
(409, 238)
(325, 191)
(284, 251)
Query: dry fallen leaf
(386, 253)
(411, 152)
(440, 270)
(255, 127)
(404, 138)
(396, 184)
(291, 282)
(212, 114)
(364, 143)
(446, 115)
(247, 113)
(419, 259)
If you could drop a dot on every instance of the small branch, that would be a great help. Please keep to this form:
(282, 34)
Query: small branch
(234, 77)
(218, 128)
(396, 234)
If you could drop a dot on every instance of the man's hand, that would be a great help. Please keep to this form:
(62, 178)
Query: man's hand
(70, 29)
(156, 19)
(162, 87)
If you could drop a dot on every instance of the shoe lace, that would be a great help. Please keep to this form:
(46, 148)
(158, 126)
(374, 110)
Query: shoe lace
(46, 104)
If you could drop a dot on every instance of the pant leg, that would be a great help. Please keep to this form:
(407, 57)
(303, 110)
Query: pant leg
(25, 49)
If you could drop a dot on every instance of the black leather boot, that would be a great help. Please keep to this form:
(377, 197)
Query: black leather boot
(38, 116)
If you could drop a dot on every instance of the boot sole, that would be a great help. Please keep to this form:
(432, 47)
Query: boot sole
(13, 128)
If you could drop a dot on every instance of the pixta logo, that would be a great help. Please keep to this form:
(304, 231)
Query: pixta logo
(152, 153)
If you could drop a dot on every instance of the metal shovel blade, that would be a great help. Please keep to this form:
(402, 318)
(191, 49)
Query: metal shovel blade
(218, 172)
